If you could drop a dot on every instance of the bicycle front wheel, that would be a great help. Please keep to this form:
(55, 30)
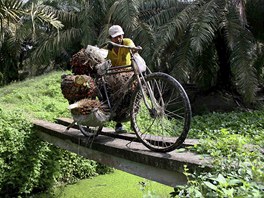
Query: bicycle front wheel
(161, 119)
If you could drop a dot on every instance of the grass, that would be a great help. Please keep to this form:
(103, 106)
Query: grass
(39, 97)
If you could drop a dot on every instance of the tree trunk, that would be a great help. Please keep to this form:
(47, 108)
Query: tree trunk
(224, 73)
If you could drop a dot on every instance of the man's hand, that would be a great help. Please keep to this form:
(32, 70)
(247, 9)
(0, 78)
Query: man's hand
(109, 46)
(136, 50)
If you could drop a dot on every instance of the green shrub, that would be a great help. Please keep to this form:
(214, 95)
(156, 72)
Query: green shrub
(20, 150)
(29, 164)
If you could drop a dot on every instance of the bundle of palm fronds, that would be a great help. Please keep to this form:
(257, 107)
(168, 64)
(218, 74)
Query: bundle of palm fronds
(77, 87)
(84, 61)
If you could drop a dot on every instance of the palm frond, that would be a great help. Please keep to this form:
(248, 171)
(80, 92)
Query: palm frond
(68, 19)
(205, 67)
(144, 36)
(45, 15)
(242, 59)
(204, 26)
(11, 10)
(92, 19)
(50, 43)
(241, 8)
(177, 26)
(158, 12)
(95, 21)
(231, 26)
(13, 46)
(125, 13)
(181, 61)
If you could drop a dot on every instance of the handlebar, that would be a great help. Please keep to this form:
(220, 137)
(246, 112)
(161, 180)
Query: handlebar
(121, 46)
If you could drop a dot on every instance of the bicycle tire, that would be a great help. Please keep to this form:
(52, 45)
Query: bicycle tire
(90, 132)
(166, 128)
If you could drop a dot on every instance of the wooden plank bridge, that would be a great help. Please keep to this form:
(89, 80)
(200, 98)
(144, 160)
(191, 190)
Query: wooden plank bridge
(124, 152)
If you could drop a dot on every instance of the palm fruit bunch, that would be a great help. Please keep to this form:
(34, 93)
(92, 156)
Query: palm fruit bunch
(77, 87)
(84, 61)
(90, 112)
(114, 82)
(80, 88)
(85, 106)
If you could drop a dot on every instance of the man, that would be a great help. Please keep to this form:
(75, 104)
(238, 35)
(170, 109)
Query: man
(119, 56)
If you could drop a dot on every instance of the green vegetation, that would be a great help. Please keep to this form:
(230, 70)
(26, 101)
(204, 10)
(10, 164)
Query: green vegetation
(233, 140)
(210, 43)
(27, 164)
(39, 97)
(215, 45)
(247, 124)
(118, 184)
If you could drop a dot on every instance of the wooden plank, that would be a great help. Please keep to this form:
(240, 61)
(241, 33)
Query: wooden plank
(129, 156)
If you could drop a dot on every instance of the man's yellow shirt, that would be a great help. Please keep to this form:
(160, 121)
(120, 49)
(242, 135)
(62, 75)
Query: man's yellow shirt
(123, 56)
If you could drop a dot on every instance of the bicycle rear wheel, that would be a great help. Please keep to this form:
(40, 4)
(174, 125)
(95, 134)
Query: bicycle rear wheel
(162, 121)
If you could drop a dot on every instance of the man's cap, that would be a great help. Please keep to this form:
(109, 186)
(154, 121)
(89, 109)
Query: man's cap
(115, 30)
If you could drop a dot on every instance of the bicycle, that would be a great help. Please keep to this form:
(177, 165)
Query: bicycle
(160, 111)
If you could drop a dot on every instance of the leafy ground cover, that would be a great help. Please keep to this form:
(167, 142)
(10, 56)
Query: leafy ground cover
(233, 140)
(118, 184)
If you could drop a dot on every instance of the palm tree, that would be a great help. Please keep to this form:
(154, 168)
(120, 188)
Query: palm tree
(207, 43)
(14, 31)
(83, 23)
